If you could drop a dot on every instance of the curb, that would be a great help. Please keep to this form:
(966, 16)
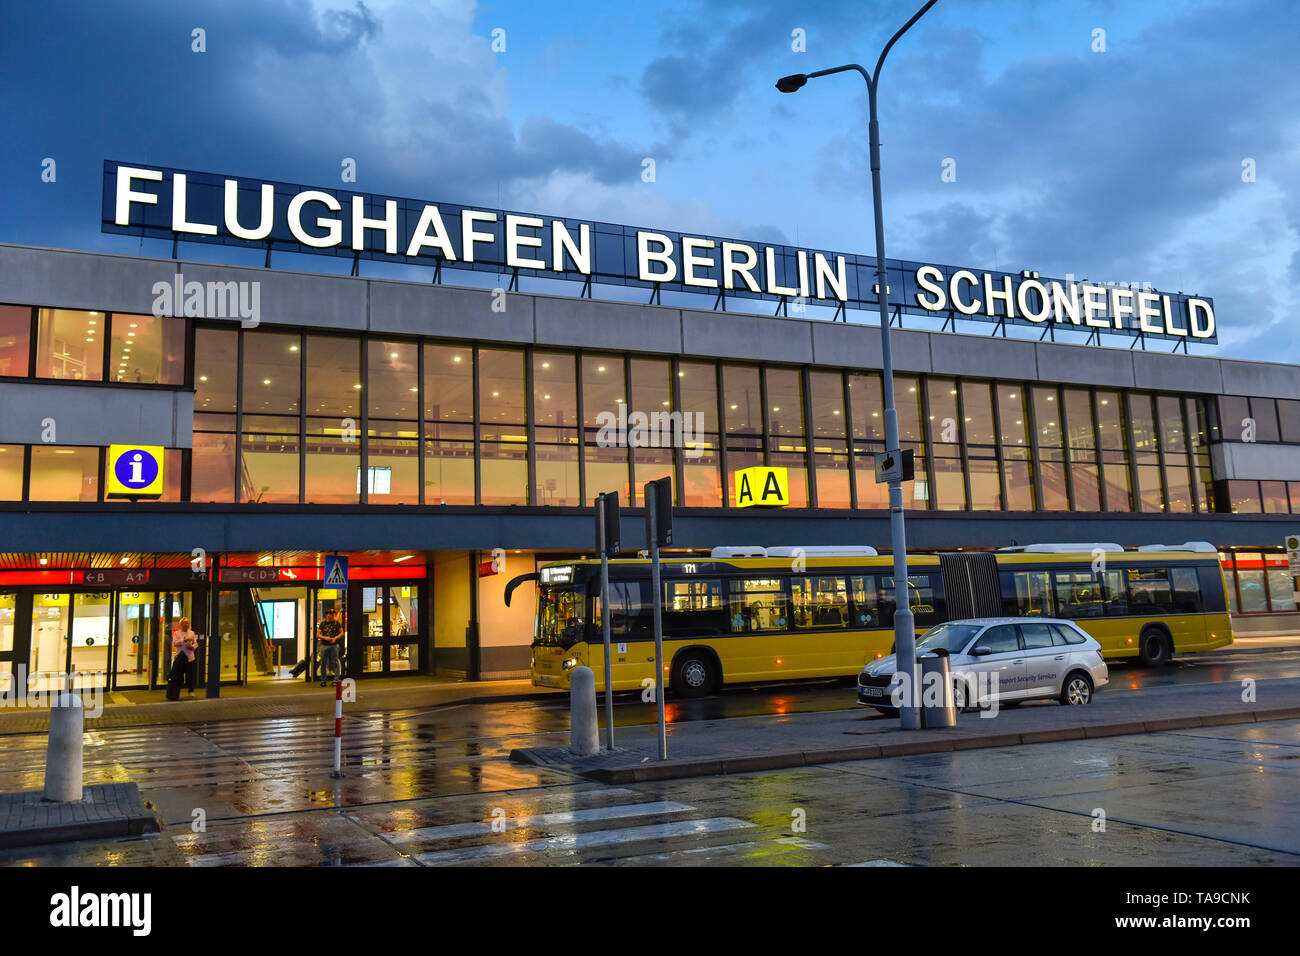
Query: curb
(754, 763)
(195, 710)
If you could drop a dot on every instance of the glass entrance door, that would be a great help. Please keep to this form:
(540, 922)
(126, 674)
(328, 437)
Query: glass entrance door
(137, 638)
(8, 641)
(391, 623)
(92, 620)
(48, 649)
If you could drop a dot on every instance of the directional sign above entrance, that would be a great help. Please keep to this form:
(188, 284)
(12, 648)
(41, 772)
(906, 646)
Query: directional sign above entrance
(336, 571)
(135, 471)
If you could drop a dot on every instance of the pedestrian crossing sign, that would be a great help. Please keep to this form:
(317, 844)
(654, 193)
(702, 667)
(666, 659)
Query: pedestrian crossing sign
(336, 571)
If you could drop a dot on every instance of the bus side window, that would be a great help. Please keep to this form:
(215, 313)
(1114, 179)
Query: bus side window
(1026, 594)
(631, 615)
(694, 608)
(1149, 591)
(864, 603)
(1114, 593)
(1187, 590)
(1212, 596)
(818, 602)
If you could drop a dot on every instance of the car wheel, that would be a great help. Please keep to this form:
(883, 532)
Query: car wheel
(959, 694)
(694, 675)
(1077, 689)
(1153, 647)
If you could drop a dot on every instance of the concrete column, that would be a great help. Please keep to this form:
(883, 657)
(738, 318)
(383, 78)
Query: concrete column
(584, 734)
(63, 776)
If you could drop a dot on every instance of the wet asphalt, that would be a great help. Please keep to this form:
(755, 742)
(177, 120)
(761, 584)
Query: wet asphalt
(435, 787)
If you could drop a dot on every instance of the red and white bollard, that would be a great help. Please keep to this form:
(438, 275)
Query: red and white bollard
(338, 728)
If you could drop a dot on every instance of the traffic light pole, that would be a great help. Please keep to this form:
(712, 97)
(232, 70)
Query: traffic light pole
(651, 504)
(602, 537)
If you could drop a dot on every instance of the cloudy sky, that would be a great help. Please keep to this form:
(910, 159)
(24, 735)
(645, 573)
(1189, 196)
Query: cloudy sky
(1124, 165)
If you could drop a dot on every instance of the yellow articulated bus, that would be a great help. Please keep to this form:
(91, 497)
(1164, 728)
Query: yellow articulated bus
(744, 615)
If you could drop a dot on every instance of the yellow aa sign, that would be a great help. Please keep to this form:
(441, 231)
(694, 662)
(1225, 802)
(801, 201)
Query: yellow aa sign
(762, 487)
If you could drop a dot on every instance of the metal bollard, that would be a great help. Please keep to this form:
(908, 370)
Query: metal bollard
(584, 734)
(934, 668)
(63, 778)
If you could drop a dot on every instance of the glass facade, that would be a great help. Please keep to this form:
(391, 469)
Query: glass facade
(323, 418)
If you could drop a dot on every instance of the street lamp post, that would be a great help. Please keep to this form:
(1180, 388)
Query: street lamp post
(904, 624)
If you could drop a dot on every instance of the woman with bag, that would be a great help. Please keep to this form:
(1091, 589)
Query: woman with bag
(184, 642)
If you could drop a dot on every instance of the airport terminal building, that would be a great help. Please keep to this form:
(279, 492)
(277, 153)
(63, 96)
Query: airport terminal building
(446, 438)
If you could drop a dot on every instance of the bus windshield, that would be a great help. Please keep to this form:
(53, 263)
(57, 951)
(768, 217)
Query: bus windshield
(560, 616)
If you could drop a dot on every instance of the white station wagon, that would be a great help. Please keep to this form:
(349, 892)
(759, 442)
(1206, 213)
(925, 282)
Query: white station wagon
(1007, 659)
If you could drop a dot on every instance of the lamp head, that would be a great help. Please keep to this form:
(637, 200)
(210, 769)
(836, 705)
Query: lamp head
(788, 84)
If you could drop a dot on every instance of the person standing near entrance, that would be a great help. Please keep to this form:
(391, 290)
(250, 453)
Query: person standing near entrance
(329, 633)
(185, 642)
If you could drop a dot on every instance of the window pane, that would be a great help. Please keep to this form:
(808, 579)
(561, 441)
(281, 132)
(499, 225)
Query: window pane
(1047, 417)
(744, 413)
(449, 473)
(15, 340)
(333, 462)
(1078, 419)
(216, 369)
(1020, 482)
(272, 370)
(702, 480)
(1244, 497)
(756, 605)
(907, 404)
(1281, 585)
(70, 345)
(1234, 415)
(985, 495)
(212, 467)
(603, 395)
(393, 371)
(1250, 579)
(865, 395)
(64, 474)
(1172, 435)
(555, 391)
(977, 413)
(1264, 412)
(394, 463)
(448, 385)
(1110, 428)
(1087, 487)
(333, 377)
(1011, 412)
(270, 459)
(1294, 490)
(950, 491)
(694, 608)
(11, 472)
(501, 396)
(1273, 497)
(147, 349)
(504, 472)
(1288, 411)
(819, 602)
(1149, 591)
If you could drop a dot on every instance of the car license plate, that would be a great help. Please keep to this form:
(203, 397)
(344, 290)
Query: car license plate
(875, 691)
(544, 679)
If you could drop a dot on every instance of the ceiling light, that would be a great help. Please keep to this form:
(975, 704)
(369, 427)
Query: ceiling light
(45, 560)
(94, 313)
(600, 368)
(357, 386)
(394, 354)
(455, 358)
(123, 561)
(293, 348)
(546, 365)
(407, 557)
(202, 378)
(266, 381)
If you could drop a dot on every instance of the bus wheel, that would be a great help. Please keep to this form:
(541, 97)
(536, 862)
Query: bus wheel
(1153, 647)
(694, 674)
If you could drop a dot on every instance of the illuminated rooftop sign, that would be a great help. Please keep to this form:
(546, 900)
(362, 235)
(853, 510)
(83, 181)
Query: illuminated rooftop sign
(183, 205)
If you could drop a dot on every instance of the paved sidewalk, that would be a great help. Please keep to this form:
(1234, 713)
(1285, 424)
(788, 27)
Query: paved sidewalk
(747, 744)
(105, 811)
(297, 699)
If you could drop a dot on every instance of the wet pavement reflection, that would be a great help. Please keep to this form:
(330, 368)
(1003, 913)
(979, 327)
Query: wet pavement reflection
(435, 787)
